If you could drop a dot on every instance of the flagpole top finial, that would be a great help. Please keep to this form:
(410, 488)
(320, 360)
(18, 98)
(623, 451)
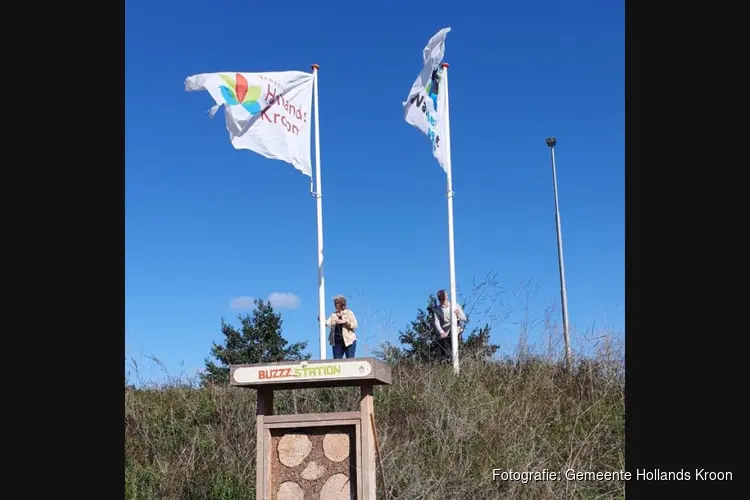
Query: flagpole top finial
(315, 66)
(444, 65)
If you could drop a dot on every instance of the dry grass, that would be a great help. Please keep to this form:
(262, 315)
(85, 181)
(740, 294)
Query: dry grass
(440, 435)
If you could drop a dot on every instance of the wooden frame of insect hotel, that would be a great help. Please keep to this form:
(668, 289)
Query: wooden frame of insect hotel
(314, 456)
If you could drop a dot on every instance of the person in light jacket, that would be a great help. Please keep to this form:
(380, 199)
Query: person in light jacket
(343, 323)
(443, 325)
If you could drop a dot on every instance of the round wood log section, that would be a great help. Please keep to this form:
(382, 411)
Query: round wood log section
(290, 491)
(313, 471)
(336, 446)
(293, 449)
(336, 488)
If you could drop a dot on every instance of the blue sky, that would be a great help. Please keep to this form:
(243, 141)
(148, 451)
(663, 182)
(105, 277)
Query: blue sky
(207, 224)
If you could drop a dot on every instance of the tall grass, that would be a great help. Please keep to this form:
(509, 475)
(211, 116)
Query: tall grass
(440, 435)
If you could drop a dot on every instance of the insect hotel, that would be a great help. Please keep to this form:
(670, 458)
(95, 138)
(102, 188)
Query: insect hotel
(314, 456)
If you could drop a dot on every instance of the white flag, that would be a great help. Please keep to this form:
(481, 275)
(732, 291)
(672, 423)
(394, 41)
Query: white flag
(425, 106)
(268, 113)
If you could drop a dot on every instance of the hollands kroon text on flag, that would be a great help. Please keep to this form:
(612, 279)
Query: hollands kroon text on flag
(267, 113)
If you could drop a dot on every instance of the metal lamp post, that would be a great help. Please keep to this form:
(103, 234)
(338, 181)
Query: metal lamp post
(551, 142)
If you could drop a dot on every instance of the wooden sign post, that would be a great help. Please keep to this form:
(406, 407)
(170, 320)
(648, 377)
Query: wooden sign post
(314, 456)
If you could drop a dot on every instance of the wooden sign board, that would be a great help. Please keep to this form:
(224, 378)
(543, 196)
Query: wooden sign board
(307, 374)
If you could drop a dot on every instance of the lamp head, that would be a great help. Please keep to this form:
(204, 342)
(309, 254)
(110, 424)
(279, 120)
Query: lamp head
(551, 141)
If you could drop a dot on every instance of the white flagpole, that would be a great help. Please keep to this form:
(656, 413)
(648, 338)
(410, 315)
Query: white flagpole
(449, 195)
(319, 202)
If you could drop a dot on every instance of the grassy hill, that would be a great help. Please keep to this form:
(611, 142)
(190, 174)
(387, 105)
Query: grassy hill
(440, 435)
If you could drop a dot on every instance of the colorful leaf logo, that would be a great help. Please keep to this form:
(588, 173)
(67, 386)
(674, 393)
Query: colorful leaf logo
(237, 92)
